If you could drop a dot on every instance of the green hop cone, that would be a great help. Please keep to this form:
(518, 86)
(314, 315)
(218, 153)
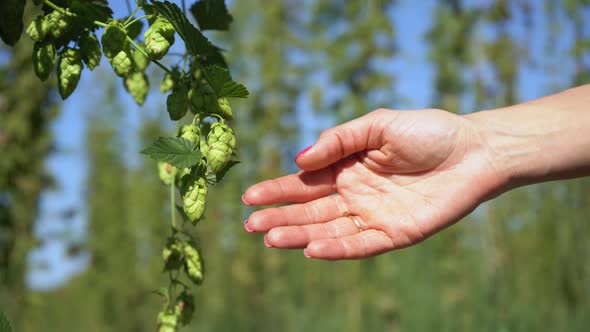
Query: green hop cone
(138, 86)
(43, 59)
(194, 192)
(176, 102)
(199, 97)
(141, 61)
(69, 70)
(114, 39)
(193, 264)
(167, 321)
(223, 108)
(166, 172)
(190, 132)
(167, 83)
(122, 63)
(91, 52)
(172, 255)
(185, 308)
(158, 38)
(58, 23)
(221, 142)
(38, 28)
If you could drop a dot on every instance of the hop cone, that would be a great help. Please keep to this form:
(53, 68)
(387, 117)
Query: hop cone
(191, 133)
(167, 321)
(122, 63)
(176, 102)
(114, 39)
(199, 97)
(57, 23)
(158, 38)
(193, 264)
(166, 172)
(222, 108)
(221, 142)
(185, 308)
(172, 255)
(43, 59)
(68, 71)
(38, 28)
(90, 49)
(141, 61)
(167, 83)
(194, 193)
(138, 86)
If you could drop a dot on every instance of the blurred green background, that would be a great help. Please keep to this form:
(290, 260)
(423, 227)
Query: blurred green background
(83, 215)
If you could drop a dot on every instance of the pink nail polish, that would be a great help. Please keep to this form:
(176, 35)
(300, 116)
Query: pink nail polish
(246, 226)
(266, 243)
(303, 152)
(305, 253)
(244, 201)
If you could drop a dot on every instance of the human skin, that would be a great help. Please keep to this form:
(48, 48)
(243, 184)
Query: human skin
(406, 175)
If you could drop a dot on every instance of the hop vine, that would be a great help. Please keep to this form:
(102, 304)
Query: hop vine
(198, 98)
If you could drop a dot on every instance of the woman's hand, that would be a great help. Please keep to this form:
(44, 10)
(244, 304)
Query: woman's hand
(384, 181)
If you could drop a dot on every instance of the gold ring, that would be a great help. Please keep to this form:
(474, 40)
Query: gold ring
(359, 224)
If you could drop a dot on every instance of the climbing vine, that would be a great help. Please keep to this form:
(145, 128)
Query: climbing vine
(66, 36)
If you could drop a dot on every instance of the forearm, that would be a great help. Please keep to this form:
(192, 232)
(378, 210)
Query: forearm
(541, 140)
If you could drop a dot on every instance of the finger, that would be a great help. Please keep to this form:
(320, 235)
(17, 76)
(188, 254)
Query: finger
(300, 187)
(339, 142)
(364, 244)
(317, 211)
(297, 237)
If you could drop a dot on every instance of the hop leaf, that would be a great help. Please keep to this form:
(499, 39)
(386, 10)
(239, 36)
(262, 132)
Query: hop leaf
(166, 172)
(191, 133)
(69, 71)
(158, 38)
(122, 63)
(221, 142)
(11, 22)
(141, 61)
(172, 255)
(175, 150)
(177, 102)
(138, 86)
(38, 28)
(193, 263)
(90, 49)
(201, 98)
(43, 59)
(194, 193)
(59, 23)
(114, 39)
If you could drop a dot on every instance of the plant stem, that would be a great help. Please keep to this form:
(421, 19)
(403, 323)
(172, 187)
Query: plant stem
(131, 16)
(134, 20)
(158, 63)
(100, 24)
(56, 7)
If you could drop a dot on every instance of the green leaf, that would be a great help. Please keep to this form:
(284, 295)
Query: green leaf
(195, 41)
(4, 323)
(221, 82)
(225, 169)
(177, 151)
(211, 14)
(11, 20)
(134, 29)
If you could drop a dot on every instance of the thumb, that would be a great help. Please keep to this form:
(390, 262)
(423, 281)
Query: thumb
(342, 141)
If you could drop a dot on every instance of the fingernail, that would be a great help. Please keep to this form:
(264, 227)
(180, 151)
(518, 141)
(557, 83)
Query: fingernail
(305, 253)
(246, 226)
(266, 243)
(303, 152)
(244, 201)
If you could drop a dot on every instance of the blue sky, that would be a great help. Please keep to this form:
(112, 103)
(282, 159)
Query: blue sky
(414, 77)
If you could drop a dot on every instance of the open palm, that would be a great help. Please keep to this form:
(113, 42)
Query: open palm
(383, 181)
